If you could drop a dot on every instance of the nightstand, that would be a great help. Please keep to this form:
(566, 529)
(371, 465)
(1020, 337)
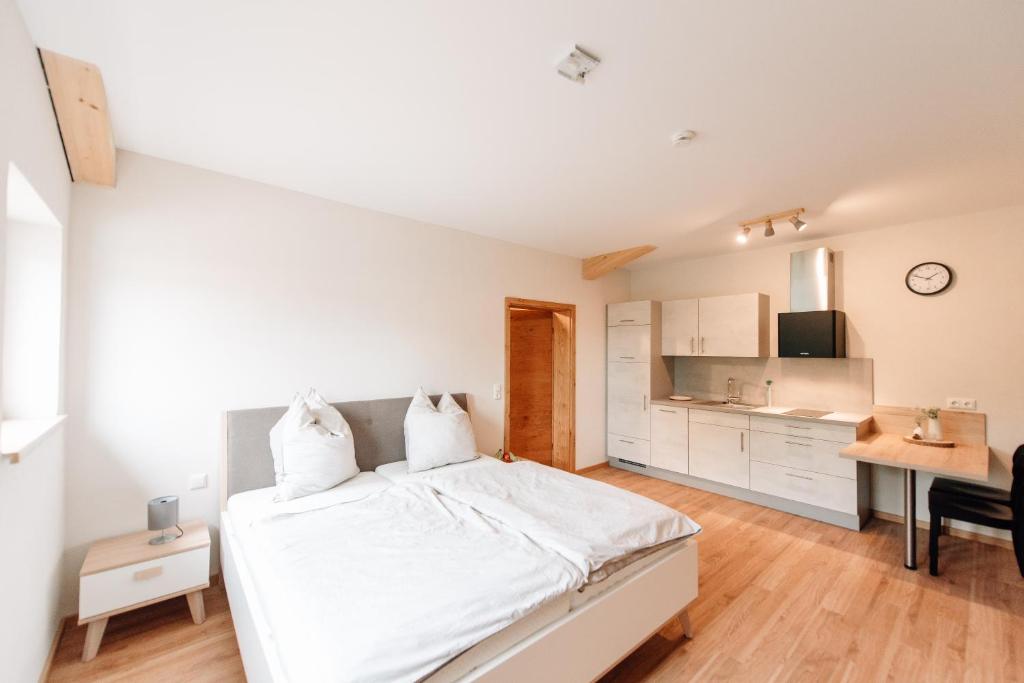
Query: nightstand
(126, 572)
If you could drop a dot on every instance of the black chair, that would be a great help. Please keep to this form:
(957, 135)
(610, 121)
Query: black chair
(978, 505)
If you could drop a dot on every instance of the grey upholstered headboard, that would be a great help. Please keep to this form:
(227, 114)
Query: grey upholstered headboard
(377, 429)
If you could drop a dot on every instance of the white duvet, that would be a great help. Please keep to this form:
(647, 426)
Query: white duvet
(588, 522)
(390, 584)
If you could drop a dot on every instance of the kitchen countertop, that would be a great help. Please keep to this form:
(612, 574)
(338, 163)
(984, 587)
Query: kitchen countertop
(835, 418)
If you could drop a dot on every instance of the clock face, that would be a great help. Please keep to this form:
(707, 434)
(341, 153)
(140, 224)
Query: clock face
(929, 278)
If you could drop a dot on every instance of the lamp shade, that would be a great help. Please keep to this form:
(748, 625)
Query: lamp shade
(163, 513)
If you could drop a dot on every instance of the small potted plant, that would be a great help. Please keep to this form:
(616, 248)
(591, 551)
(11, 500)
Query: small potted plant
(506, 457)
(932, 426)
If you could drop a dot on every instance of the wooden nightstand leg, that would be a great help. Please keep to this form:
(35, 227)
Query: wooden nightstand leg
(93, 638)
(196, 606)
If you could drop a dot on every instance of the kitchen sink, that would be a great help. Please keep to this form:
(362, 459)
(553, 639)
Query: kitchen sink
(723, 404)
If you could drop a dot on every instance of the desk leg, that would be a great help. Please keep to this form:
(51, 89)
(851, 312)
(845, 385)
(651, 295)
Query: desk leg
(910, 518)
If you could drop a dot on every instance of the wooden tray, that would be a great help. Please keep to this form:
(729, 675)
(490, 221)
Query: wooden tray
(929, 442)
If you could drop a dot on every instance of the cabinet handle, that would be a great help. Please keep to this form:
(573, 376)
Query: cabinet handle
(629, 442)
(702, 346)
(795, 443)
(151, 573)
(741, 442)
(693, 348)
(627, 320)
(797, 476)
(665, 410)
(797, 427)
(645, 403)
(628, 357)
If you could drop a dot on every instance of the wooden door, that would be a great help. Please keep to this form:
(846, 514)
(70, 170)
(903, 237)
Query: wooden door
(531, 382)
(540, 381)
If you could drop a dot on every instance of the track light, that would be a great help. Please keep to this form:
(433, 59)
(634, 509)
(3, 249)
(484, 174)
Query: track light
(768, 221)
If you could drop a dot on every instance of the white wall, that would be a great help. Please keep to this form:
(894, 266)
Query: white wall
(966, 342)
(31, 492)
(191, 293)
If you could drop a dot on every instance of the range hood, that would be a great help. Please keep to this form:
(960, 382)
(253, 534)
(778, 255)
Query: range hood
(812, 328)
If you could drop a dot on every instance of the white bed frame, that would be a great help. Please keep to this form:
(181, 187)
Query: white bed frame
(580, 646)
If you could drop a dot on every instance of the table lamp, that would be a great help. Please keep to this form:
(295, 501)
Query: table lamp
(163, 514)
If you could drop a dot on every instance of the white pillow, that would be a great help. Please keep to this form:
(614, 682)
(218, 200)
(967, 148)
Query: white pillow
(309, 457)
(436, 437)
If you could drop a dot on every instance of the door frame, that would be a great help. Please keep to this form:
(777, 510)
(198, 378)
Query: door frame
(563, 400)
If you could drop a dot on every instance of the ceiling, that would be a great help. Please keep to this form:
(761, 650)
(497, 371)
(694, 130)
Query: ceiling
(867, 113)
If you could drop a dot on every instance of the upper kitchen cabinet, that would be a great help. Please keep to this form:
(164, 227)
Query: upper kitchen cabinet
(733, 326)
(630, 313)
(679, 329)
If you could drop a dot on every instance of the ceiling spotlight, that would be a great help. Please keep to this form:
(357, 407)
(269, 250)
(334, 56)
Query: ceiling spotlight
(743, 236)
(797, 223)
(577, 64)
(769, 230)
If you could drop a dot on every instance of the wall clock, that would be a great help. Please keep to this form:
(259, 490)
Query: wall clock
(929, 278)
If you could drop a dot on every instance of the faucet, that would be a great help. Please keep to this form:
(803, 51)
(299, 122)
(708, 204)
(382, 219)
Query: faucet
(730, 391)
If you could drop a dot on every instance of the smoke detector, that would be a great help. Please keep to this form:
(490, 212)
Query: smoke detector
(684, 137)
(577, 64)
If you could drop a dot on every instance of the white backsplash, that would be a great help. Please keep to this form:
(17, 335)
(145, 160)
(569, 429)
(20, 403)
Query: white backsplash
(837, 384)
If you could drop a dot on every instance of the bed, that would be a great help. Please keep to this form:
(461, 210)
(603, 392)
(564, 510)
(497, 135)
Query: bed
(564, 608)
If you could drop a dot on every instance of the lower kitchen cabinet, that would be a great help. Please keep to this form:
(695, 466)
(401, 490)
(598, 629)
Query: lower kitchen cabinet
(804, 486)
(629, 448)
(720, 454)
(670, 438)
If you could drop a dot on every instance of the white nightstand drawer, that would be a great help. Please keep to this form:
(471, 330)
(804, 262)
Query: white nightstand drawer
(123, 587)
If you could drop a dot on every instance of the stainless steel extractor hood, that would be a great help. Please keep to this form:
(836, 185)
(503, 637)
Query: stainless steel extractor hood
(812, 280)
(812, 328)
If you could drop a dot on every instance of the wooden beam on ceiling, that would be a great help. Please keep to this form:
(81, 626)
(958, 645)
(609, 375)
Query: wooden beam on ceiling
(80, 103)
(602, 264)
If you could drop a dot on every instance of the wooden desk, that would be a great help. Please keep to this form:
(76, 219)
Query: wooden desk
(884, 445)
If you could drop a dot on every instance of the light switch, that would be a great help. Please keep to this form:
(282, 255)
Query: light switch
(497, 392)
(197, 481)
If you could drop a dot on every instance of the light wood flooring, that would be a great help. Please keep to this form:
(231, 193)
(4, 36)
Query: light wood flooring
(781, 598)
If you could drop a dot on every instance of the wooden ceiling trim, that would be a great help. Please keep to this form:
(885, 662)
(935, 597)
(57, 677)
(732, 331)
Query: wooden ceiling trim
(80, 104)
(602, 264)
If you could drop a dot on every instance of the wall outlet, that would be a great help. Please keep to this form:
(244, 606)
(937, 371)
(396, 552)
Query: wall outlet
(496, 392)
(962, 403)
(198, 481)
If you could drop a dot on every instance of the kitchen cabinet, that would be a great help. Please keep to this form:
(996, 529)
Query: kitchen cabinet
(733, 326)
(679, 329)
(670, 448)
(729, 326)
(629, 399)
(720, 453)
(636, 373)
(629, 343)
(631, 313)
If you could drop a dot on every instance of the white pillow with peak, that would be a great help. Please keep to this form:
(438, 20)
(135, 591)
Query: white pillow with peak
(437, 436)
(312, 447)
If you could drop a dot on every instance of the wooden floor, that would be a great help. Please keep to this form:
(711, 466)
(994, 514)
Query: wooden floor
(781, 598)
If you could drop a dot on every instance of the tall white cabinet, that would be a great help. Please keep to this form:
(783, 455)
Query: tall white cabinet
(734, 326)
(636, 374)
